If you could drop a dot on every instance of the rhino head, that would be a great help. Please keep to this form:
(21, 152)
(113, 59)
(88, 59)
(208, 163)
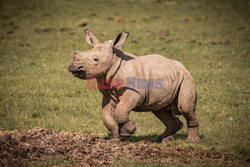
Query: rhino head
(96, 62)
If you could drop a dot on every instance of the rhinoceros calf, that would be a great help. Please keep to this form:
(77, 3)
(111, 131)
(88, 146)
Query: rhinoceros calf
(146, 83)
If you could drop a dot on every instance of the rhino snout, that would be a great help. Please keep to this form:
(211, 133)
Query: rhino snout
(75, 68)
(78, 71)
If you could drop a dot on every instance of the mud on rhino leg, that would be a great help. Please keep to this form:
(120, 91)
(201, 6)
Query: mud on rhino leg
(107, 116)
(173, 124)
(129, 100)
(186, 105)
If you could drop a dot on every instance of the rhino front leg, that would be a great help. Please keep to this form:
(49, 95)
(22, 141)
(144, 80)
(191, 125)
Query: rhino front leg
(173, 124)
(129, 100)
(107, 116)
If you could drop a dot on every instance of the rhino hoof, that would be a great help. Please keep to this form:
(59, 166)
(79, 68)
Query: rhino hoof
(130, 127)
(127, 129)
(167, 139)
(193, 140)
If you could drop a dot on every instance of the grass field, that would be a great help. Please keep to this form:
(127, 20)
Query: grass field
(211, 38)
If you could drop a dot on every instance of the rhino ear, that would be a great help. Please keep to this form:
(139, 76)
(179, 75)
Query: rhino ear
(120, 39)
(90, 38)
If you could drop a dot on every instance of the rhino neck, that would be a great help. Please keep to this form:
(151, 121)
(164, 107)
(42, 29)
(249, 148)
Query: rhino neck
(116, 64)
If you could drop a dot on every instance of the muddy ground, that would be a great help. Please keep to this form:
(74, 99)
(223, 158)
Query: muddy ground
(22, 148)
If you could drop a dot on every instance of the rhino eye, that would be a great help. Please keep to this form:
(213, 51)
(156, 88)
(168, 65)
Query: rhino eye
(95, 59)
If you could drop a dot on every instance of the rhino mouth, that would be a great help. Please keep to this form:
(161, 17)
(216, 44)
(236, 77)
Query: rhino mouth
(79, 74)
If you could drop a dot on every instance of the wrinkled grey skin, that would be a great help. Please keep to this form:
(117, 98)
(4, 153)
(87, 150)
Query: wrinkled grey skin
(108, 62)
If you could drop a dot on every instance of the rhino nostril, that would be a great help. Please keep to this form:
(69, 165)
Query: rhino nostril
(80, 67)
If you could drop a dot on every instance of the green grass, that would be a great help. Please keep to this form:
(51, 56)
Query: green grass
(211, 38)
(51, 162)
(138, 163)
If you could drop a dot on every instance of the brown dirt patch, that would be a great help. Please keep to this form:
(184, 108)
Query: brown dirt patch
(83, 24)
(12, 30)
(44, 30)
(20, 148)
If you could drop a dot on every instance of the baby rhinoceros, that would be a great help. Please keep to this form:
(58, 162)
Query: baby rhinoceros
(146, 83)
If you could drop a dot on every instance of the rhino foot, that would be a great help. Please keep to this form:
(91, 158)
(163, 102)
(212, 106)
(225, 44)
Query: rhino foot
(193, 141)
(167, 139)
(127, 129)
(193, 135)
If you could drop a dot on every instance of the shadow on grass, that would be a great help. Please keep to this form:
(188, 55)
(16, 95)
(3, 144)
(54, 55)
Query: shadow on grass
(151, 138)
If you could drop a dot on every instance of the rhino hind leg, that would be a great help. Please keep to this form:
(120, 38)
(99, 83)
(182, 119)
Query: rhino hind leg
(186, 105)
(173, 124)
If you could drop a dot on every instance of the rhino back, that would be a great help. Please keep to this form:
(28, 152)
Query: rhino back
(157, 80)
